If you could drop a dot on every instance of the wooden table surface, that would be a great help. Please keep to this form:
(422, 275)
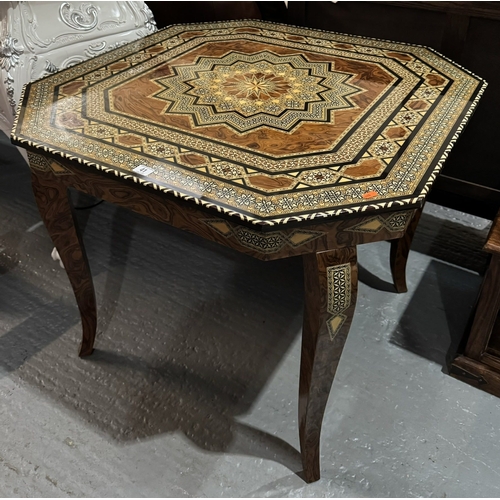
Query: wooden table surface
(262, 121)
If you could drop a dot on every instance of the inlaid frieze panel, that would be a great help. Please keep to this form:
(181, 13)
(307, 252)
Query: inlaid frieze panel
(269, 242)
(393, 223)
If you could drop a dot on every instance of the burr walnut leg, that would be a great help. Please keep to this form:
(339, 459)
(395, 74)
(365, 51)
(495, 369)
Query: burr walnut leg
(400, 249)
(331, 281)
(56, 209)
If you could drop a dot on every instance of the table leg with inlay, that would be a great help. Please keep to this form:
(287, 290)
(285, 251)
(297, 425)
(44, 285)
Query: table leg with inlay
(329, 258)
(330, 291)
(331, 283)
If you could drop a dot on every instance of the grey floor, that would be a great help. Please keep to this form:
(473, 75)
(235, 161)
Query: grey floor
(192, 390)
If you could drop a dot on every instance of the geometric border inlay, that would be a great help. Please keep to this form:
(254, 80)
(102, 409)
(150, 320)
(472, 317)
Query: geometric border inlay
(276, 182)
(393, 223)
(266, 243)
(39, 162)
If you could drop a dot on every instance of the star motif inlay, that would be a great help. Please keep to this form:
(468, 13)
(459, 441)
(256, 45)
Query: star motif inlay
(249, 91)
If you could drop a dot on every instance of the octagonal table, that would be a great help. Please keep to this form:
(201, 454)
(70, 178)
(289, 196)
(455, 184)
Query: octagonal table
(269, 139)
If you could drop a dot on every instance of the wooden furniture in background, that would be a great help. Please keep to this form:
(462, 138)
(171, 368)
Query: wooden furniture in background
(172, 12)
(272, 140)
(479, 365)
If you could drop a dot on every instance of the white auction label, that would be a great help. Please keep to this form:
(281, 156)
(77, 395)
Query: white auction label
(143, 170)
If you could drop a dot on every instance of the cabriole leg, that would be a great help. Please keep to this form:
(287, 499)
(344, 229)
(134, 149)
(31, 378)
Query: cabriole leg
(54, 204)
(400, 249)
(331, 282)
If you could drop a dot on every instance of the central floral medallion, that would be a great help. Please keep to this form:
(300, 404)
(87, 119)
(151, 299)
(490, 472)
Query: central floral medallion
(249, 91)
(256, 85)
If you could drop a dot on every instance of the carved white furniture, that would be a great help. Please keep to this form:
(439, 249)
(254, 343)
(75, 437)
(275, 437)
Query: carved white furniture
(39, 38)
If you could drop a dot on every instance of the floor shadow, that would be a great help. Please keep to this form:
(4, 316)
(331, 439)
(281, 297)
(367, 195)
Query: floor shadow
(442, 239)
(202, 408)
(46, 323)
(9, 250)
(373, 281)
(439, 309)
(436, 319)
(451, 242)
(121, 231)
(191, 333)
(248, 440)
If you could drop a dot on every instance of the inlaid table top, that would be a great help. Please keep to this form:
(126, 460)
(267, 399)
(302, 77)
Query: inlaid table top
(264, 122)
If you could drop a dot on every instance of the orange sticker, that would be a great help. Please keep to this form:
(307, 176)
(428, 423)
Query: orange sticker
(370, 194)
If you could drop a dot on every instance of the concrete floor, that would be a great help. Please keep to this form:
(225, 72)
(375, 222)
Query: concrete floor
(192, 391)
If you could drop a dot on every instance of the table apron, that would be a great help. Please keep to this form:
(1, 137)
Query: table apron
(263, 245)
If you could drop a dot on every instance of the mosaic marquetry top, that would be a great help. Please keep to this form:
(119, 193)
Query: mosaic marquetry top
(267, 122)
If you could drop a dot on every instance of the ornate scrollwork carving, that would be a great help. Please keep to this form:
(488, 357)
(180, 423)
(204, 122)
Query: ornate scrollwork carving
(83, 19)
(9, 59)
(118, 44)
(50, 67)
(150, 23)
(95, 48)
(71, 61)
(9, 53)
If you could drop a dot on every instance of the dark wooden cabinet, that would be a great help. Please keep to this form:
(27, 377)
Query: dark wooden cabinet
(479, 365)
(168, 13)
